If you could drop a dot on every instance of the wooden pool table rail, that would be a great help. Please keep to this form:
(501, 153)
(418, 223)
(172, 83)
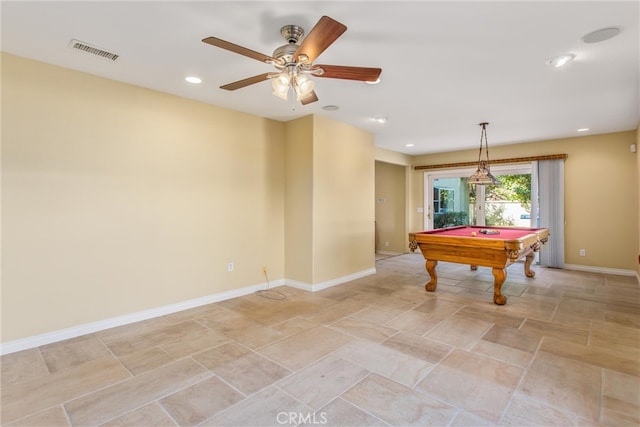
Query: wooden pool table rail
(497, 253)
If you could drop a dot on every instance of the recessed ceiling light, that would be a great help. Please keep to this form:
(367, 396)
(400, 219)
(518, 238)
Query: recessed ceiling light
(561, 60)
(583, 129)
(380, 119)
(601, 35)
(331, 108)
(193, 79)
(410, 145)
(375, 82)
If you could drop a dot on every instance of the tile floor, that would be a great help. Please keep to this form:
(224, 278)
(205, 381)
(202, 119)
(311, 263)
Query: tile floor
(377, 351)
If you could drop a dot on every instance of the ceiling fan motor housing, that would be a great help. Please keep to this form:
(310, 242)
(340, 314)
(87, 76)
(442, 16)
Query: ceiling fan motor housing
(285, 53)
(292, 33)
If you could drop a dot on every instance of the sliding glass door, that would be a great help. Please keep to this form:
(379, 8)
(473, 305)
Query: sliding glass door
(450, 201)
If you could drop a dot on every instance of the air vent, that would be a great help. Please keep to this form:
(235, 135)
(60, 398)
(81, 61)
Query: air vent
(87, 48)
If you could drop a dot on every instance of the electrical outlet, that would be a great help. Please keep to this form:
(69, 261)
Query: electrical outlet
(230, 266)
(583, 252)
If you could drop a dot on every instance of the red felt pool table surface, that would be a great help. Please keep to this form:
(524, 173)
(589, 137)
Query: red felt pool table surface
(504, 233)
(466, 244)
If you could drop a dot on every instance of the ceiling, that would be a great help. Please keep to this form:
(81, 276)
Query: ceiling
(446, 66)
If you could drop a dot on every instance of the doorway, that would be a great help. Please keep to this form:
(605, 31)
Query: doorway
(390, 208)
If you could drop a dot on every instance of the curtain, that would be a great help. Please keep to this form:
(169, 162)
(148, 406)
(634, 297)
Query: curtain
(550, 177)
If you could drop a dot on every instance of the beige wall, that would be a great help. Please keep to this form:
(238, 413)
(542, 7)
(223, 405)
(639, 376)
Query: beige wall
(118, 199)
(343, 201)
(393, 157)
(638, 195)
(329, 201)
(601, 194)
(299, 200)
(391, 205)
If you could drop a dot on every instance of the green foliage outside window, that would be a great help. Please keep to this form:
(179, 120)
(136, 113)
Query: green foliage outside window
(449, 219)
(514, 188)
(494, 216)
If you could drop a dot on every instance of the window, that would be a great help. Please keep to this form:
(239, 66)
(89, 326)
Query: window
(443, 200)
(450, 201)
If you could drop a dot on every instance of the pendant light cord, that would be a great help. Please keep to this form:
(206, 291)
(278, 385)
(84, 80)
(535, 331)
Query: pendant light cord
(483, 134)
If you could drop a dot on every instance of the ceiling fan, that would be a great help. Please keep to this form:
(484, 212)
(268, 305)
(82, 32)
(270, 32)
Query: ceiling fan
(294, 61)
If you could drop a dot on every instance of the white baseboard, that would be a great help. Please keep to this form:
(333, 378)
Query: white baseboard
(314, 287)
(100, 325)
(89, 328)
(603, 270)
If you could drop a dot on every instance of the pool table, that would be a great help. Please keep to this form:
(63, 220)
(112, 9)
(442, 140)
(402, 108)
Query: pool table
(467, 244)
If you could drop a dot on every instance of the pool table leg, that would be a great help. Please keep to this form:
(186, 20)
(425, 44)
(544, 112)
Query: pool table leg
(431, 269)
(527, 266)
(499, 275)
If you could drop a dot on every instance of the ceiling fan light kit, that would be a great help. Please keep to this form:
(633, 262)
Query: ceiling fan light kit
(303, 86)
(280, 85)
(294, 61)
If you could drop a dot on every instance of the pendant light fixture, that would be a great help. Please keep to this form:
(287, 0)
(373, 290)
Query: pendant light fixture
(482, 176)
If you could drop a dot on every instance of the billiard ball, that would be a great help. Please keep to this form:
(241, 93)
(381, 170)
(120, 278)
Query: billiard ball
(473, 233)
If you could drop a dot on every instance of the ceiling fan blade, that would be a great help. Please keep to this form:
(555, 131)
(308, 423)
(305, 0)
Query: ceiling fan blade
(364, 74)
(246, 82)
(325, 32)
(309, 99)
(214, 41)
